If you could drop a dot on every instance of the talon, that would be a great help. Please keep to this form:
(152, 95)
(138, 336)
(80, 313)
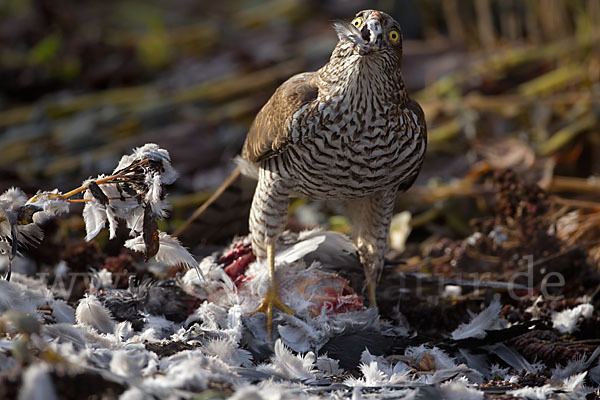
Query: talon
(271, 300)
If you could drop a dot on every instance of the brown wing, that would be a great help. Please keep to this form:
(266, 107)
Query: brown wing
(270, 132)
(415, 107)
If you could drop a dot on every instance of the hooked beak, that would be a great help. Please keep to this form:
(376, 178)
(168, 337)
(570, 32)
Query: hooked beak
(371, 34)
(366, 40)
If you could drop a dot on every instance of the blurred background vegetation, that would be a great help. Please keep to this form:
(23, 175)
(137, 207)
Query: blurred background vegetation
(504, 83)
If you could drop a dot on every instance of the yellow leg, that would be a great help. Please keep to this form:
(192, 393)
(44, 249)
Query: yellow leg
(371, 292)
(272, 298)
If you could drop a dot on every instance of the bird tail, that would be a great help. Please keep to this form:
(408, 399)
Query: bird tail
(224, 215)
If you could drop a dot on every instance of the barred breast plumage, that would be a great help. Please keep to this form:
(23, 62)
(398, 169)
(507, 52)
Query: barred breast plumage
(347, 131)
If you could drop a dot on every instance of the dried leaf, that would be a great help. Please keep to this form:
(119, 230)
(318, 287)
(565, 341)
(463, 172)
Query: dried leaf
(150, 233)
(97, 192)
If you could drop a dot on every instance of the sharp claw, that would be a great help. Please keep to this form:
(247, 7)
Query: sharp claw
(272, 298)
(270, 302)
(8, 272)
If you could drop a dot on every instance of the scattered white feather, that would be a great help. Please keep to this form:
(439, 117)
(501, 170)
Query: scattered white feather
(129, 364)
(111, 217)
(135, 221)
(170, 251)
(442, 360)
(372, 376)
(50, 203)
(378, 372)
(462, 371)
(497, 371)
(566, 321)
(298, 334)
(156, 328)
(459, 390)
(191, 370)
(511, 357)
(12, 199)
(228, 352)
(10, 202)
(573, 367)
(533, 393)
(328, 366)
(63, 312)
(124, 331)
(92, 313)
(153, 196)
(37, 384)
(65, 333)
(28, 295)
(94, 216)
(574, 383)
(287, 365)
(103, 279)
(485, 320)
(366, 357)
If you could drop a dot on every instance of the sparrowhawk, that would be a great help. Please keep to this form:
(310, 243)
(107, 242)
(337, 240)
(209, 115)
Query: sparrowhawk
(348, 131)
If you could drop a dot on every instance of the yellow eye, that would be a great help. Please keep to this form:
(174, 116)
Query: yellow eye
(394, 36)
(357, 22)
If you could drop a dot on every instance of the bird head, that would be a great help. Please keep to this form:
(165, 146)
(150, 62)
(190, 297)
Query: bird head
(370, 32)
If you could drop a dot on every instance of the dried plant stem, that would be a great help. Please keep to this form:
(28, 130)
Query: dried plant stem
(567, 134)
(88, 200)
(570, 184)
(577, 203)
(80, 189)
(109, 179)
